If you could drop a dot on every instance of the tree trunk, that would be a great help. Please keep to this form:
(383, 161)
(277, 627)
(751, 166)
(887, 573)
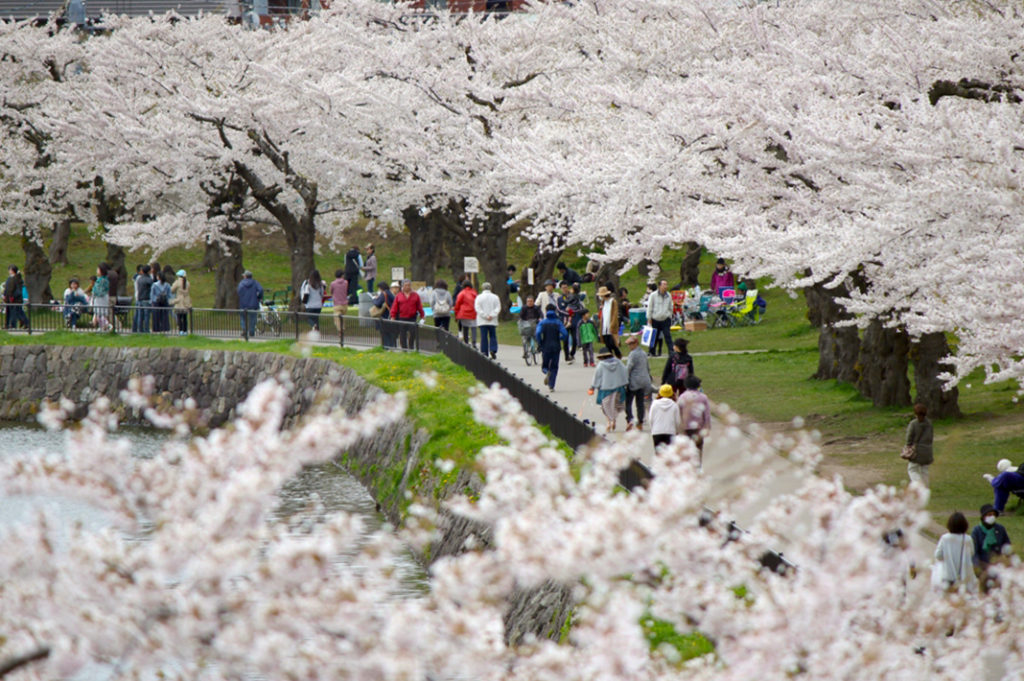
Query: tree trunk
(490, 241)
(689, 269)
(543, 264)
(115, 259)
(228, 268)
(928, 353)
(59, 245)
(426, 242)
(608, 276)
(37, 271)
(838, 346)
(301, 239)
(883, 360)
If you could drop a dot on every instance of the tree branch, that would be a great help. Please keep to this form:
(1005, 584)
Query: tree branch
(13, 663)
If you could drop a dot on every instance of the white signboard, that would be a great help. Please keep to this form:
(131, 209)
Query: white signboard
(470, 265)
(397, 274)
(529, 276)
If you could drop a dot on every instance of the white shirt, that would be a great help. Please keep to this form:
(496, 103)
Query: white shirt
(606, 313)
(956, 551)
(487, 306)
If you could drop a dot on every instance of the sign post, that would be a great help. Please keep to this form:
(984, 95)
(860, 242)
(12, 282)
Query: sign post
(471, 265)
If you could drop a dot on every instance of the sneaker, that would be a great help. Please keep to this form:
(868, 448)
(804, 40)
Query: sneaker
(570, 360)
(629, 427)
(544, 371)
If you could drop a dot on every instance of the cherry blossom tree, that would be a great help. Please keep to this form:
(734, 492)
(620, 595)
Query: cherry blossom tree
(194, 579)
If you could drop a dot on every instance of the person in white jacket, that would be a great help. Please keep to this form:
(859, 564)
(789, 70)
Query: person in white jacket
(955, 553)
(488, 307)
(664, 417)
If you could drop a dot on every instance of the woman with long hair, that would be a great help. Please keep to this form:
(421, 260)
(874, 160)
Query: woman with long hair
(182, 301)
(312, 293)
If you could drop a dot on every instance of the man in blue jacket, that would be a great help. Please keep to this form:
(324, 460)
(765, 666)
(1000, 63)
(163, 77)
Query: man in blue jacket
(550, 334)
(250, 294)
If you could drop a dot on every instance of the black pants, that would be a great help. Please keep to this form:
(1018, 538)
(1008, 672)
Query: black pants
(443, 322)
(609, 341)
(638, 396)
(662, 329)
(661, 439)
(182, 321)
(408, 333)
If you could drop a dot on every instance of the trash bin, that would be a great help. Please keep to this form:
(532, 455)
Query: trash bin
(637, 319)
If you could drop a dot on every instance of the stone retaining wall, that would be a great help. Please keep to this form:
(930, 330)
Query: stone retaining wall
(219, 381)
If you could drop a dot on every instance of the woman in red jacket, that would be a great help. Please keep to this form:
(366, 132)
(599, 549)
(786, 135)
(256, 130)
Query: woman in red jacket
(465, 312)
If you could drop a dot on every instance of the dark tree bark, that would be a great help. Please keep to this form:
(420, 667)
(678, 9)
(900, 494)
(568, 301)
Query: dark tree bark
(543, 264)
(115, 259)
(37, 271)
(427, 241)
(927, 353)
(883, 363)
(489, 237)
(838, 346)
(223, 253)
(10, 664)
(59, 245)
(689, 269)
(608, 276)
(228, 268)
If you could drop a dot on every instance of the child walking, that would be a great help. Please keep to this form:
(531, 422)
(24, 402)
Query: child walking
(588, 334)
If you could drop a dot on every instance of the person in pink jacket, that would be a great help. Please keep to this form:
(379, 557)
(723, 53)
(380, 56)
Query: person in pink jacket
(721, 277)
(695, 413)
(465, 311)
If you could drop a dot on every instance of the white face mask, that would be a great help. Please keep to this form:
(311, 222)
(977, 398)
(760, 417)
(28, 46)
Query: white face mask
(989, 520)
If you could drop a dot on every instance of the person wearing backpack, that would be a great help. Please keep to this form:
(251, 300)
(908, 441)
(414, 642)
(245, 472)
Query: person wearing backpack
(160, 301)
(550, 334)
(443, 305)
(679, 364)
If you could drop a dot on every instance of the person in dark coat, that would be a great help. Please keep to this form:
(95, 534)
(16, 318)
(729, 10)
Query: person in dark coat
(568, 274)
(353, 265)
(250, 295)
(679, 364)
(550, 334)
(14, 300)
(920, 434)
(991, 545)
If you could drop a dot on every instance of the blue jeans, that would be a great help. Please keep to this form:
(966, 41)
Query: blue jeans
(549, 363)
(664, 328)
(250, 317)
(140, 323)
(488, 339)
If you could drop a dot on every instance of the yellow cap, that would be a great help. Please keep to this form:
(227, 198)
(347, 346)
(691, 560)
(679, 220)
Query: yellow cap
(666, 391)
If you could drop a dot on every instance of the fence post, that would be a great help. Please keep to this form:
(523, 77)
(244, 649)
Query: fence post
(245, 325)
(30, 317)
(341, 330)
(191, 322)
(295, 315)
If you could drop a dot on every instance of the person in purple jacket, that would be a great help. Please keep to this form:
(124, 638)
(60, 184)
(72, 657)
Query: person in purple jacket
(721, 277)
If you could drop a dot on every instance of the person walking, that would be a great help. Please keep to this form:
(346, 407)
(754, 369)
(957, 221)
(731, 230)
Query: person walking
(369, 268)
(548, 296)
(443, 305)
(679, 364)
(659, 316)
(569, 309)
(339, 296)
(488, 307)
(550, 334)
(695, 414)
(991, 544)
(640, 385)
(353, 264)
(465, 311)
(407, 309)
(312, 294)
(610, 381)
(588, 336)
(919, 436)
(609, 311)
(250, 295)
(956, 551)
(664, 417)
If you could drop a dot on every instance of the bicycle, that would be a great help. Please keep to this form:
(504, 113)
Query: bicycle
(528, 330)
(269, 322)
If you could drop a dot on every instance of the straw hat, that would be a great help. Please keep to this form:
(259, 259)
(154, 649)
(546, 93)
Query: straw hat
(604, 354)
(603, 292)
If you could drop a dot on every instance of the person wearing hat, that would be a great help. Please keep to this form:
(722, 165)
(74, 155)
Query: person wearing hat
(182, 296)
(990, 541)
(250, 295)
(1009, 481)
(919, 435)
(549, 334)
(549, 296)
(664, 416)
(609, 311)
(610, 381)
(721, 278)
(640, 385)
